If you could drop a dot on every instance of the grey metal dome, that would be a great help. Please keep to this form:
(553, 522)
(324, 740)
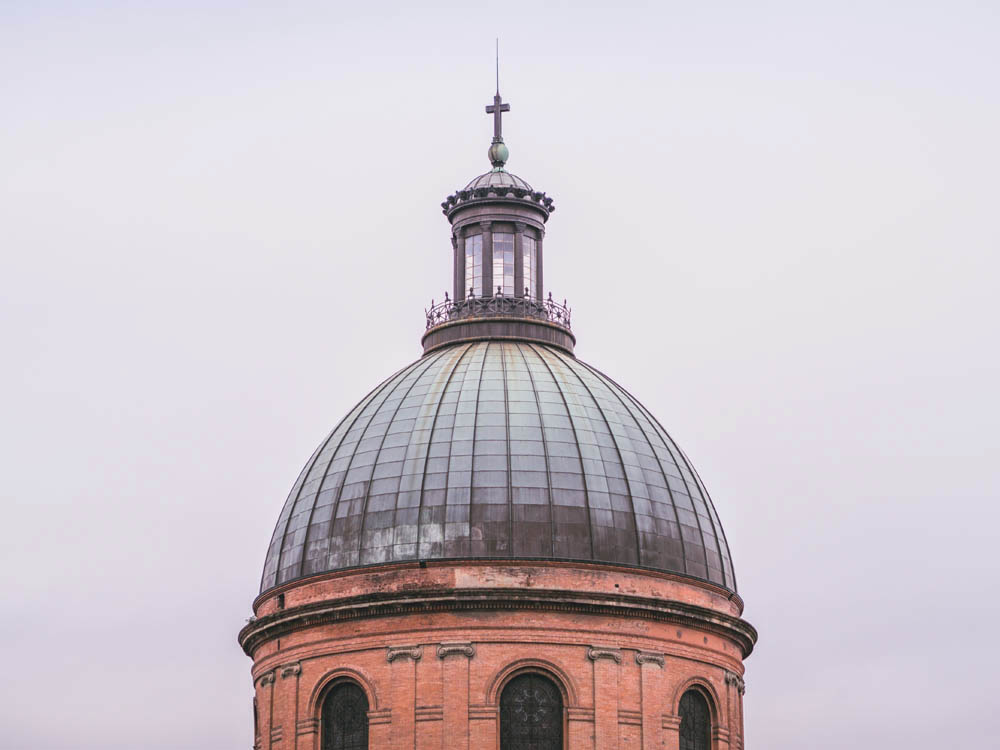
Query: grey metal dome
(498, 178)
(498, 450)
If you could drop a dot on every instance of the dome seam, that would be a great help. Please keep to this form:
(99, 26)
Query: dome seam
(427, 453)
(670, 494)
(372, 395)
(381, 445)
(545, 452)
(667, 442)
(350, 462)
(326, 472)
(618, 451)
(579, 453)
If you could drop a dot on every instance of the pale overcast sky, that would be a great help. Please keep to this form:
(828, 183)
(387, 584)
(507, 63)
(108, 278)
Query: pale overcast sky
(777, 226)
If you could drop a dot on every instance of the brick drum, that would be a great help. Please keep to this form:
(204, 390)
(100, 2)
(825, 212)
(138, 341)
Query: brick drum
(432, 645)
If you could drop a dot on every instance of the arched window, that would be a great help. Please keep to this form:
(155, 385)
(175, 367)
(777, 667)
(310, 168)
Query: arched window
(345, 718)
(696, 722)
(531, 714)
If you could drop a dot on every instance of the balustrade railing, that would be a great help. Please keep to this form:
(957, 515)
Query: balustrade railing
(499, 306)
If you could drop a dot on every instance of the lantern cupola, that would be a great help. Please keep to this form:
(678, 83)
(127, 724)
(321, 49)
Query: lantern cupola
(497, 235)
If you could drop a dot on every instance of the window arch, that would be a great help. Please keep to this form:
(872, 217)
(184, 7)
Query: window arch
(696, 722)
(345, 718)
(531, 714)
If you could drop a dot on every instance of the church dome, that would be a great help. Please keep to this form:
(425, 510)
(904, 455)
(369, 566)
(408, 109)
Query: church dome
(498, 450)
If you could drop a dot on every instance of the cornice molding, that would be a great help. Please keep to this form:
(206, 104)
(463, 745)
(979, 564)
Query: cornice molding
(286, 621)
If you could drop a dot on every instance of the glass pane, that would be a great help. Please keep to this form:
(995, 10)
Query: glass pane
(474, 265)
(528, 248)
(503, 263)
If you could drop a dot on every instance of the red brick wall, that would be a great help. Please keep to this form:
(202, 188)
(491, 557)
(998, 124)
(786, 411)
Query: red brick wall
(434, 679)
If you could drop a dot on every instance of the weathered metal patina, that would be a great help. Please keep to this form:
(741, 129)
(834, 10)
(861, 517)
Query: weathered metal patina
(498, 449)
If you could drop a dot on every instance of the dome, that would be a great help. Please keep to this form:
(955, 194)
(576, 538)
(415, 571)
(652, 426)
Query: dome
(498, 178)
(498, 449)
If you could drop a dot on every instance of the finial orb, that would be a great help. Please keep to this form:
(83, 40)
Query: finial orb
(498, 154)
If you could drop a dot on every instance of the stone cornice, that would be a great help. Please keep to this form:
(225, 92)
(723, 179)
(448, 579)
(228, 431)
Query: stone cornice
(287, 621)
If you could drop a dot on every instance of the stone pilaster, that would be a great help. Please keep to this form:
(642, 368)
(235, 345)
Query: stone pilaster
(606, 668)
(265, 702)
(651, 669)
(735, 688)
(403, 661)
(456, 658)
(290, 688)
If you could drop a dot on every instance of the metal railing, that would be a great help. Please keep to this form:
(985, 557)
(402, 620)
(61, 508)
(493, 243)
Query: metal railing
(498, 306)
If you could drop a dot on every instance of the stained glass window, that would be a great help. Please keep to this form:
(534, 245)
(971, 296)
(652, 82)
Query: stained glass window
(474, 265)
(345, 718)
(528, 248)
(696, 722)
(503, 263)
(531, 714)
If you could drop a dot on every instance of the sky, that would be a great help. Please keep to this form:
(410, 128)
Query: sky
(776, 225)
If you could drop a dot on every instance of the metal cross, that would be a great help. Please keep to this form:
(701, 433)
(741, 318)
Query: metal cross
(496, 109)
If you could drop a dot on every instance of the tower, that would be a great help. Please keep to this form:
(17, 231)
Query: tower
(499, 547)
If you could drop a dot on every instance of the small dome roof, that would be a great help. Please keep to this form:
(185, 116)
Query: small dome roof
(498, 178)
(498, 450)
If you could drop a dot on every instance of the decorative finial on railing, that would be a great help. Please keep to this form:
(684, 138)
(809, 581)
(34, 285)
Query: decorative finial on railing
(446, 296)
(499, 290)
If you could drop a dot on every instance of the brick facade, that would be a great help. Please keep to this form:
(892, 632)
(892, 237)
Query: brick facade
(433, 645)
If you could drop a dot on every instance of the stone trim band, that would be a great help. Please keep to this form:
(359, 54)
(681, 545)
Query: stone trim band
(280, 623)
